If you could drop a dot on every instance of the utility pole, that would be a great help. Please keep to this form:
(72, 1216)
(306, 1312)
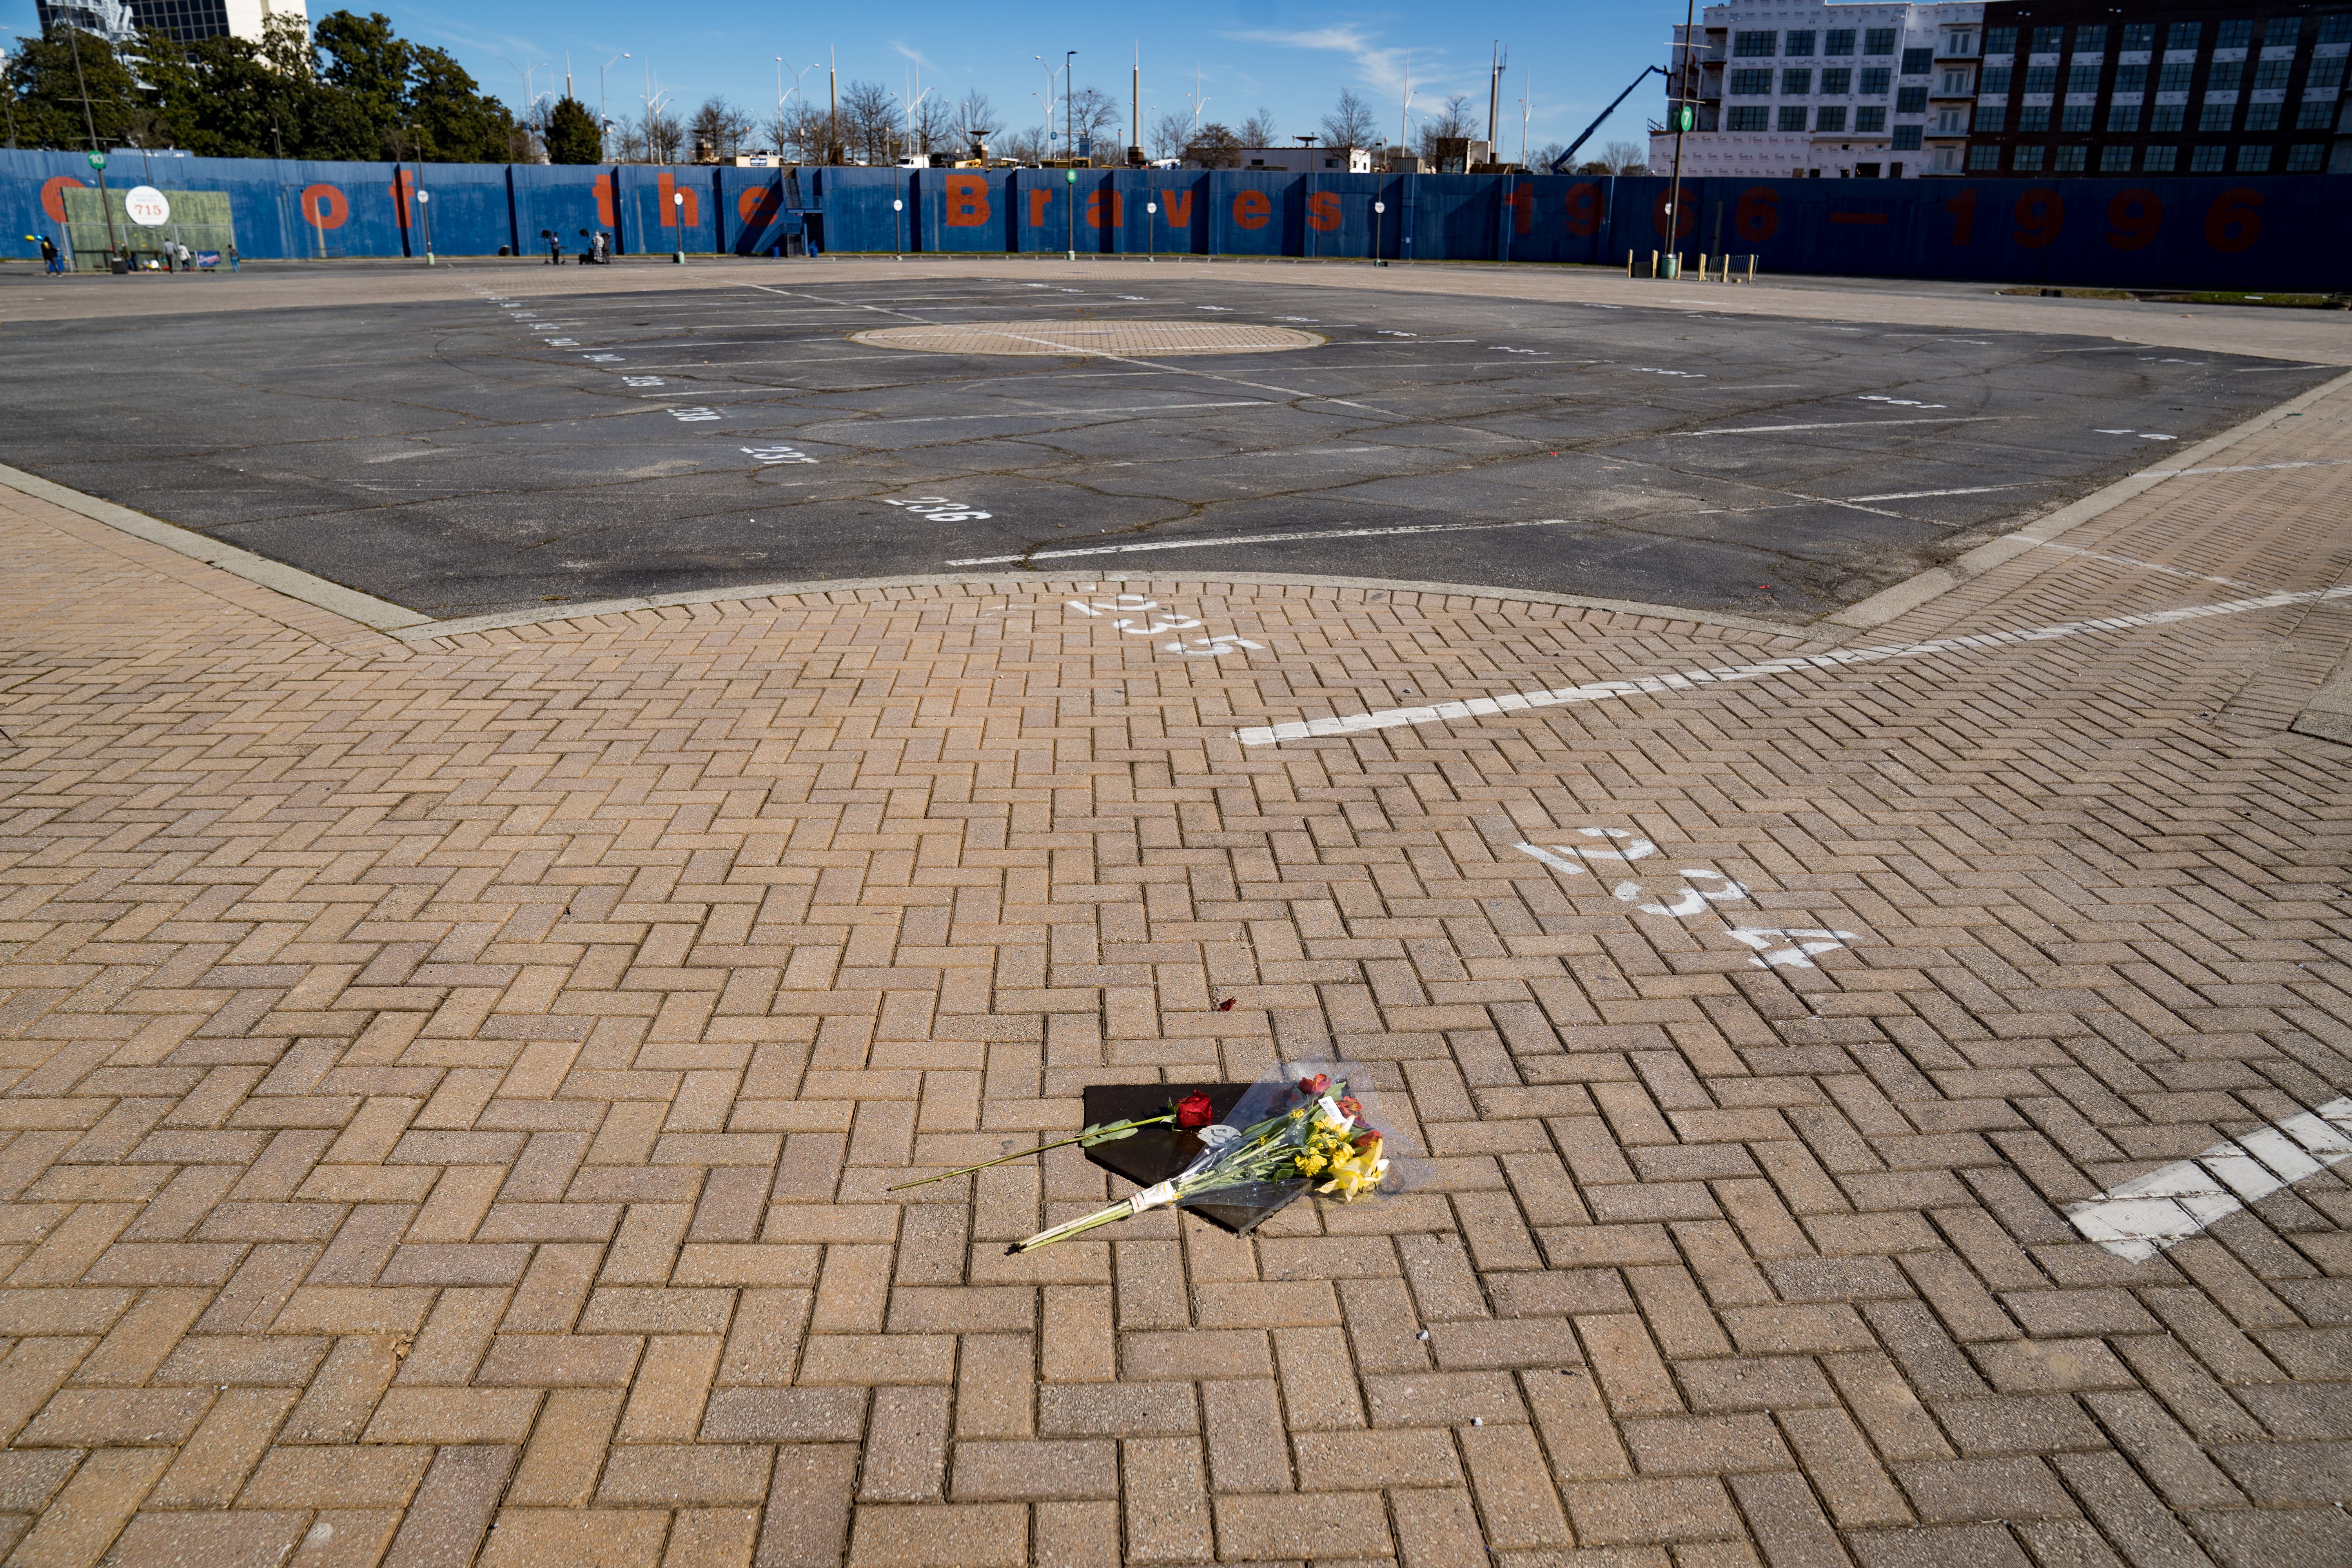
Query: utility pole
(605, 121)
(832, 117)
(1135, 138)
(97, 157)
(1683, 114)
(1495, 95)
(1404, 110)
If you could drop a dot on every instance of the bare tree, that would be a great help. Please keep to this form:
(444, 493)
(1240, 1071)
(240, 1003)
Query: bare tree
(1541, 160)
(1449, 124)
(663, 134)
(1095, 119)
(1625, 158)
(932, 124)
(1350, 122)
(976, 120)
(869, 122)
(720, 128)
(1216, 147)
(1025, 145)
(1257, 130)
(1168, 134)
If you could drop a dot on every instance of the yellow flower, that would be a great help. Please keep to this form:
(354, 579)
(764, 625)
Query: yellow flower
(1309, 1163)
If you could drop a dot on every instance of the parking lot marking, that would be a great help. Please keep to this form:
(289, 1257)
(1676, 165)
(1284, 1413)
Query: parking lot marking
(1046, 413)
(1971, 490)
(1840, 424)
(2138, 1218)
(1688, 681)
(1288, 538)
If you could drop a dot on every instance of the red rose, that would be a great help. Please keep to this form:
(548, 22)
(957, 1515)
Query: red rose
(1350, 1107)
(1194, 1111)
(1311, 1086)
(1364, 1135)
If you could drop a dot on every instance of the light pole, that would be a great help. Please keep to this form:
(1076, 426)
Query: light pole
(605, 121)
(425, 213)
(1683, 116)
(1070, 125)
(678, 206)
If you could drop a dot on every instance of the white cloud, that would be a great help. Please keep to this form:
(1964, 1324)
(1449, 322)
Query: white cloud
(1376, 66)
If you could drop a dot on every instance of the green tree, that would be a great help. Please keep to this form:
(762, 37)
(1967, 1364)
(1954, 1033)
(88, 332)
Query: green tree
(48, 91)
(571, 135)
(455, 121)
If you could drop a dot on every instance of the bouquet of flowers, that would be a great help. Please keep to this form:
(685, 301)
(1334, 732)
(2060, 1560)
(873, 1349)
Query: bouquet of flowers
(1278, 1139)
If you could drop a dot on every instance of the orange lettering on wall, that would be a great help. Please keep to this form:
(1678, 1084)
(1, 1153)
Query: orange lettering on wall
(323, 207)
(759, 206)
(1180, 209)
(603, 184)
(1323, 211)
(1584, 208)
(967, 201)
(403, 187)
(1037, 200)
(1094, 219)
(53, 201)
(668, 189)
(1251, 208)
(1523, 202)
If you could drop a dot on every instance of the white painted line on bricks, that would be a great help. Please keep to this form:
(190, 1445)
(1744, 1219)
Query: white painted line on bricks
(2248, 467)
(1840, 424)
(1601, 691)
(2138, 1218)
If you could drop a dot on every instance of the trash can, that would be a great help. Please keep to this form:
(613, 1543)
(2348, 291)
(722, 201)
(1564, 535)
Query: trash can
(118, 265)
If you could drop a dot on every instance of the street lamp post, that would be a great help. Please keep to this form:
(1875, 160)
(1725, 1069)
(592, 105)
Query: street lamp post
(1070, 141)
(425, 213)
(1377, 208)
(678, 206)
(605, 121)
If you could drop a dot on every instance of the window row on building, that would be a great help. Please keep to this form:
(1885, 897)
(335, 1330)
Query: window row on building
(2254, 158)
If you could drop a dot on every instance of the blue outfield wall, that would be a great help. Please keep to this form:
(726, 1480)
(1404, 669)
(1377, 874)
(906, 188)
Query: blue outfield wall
(2288, 233)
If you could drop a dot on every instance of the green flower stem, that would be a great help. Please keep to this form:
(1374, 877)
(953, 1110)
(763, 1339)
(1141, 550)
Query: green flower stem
(1092, 1134)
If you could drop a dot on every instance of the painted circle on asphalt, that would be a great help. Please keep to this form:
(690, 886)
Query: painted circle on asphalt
(1066, 338)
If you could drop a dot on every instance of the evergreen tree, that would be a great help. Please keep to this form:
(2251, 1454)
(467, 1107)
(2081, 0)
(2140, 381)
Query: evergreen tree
(573, 136)
(49, 91)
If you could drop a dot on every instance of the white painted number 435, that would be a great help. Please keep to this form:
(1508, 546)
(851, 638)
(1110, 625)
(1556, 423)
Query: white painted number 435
(1776, 946)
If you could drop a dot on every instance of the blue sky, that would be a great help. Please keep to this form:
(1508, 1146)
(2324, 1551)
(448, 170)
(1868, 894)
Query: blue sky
(1568, 61)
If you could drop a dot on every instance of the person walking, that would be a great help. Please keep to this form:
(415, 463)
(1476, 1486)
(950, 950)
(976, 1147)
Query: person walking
(180, 247)
(50, 260)
(232, 255)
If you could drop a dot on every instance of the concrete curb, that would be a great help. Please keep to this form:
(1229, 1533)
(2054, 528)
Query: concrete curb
(376, 614)
(428, 631)
(1937, 581)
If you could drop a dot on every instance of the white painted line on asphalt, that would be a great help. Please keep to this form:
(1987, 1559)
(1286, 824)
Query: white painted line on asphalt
(1974, 490)
(1840, 424)
(2138, 1218)
(1260, 539)
(1602, 690)
(1044, 414)
(1332, 533)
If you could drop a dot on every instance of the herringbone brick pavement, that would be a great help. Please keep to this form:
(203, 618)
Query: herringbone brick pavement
(448, 1091)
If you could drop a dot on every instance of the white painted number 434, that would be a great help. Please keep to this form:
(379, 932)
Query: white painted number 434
(1776, 946)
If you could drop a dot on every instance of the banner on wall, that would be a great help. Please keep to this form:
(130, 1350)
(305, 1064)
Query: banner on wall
(2281, 232)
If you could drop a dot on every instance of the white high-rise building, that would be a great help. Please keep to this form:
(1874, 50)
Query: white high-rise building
(1785, 88)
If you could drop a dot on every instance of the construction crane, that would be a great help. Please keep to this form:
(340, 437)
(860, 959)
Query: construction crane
(1559, 164)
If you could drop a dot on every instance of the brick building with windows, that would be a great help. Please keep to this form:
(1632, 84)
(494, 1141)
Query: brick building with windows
(2162, 87)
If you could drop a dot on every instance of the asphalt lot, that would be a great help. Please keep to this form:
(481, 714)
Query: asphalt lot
(500, 452)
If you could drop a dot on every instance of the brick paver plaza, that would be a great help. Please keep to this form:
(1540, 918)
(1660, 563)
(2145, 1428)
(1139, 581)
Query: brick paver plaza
(451, 1085)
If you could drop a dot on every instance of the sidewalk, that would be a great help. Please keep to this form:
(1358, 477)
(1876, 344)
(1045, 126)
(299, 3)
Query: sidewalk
(451, 1085)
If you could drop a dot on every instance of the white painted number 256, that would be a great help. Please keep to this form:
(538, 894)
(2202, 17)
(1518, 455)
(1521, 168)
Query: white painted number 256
(1693, 900)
